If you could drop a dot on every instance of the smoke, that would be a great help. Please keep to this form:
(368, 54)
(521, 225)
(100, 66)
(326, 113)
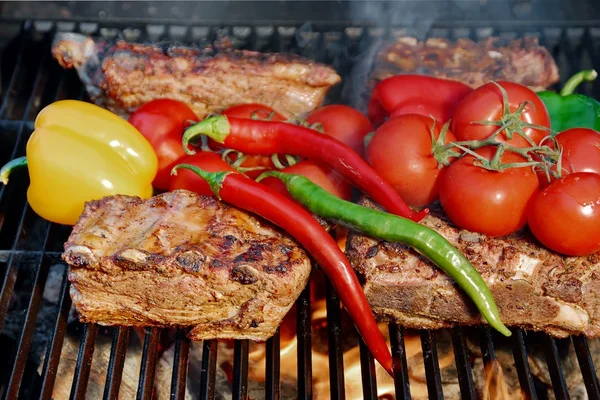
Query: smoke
(385, 22)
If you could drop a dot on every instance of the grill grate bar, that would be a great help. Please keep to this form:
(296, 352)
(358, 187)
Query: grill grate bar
(8, 283)
(367, 368)
(304, 353)
(590, 378)
(463, 365)
(209, 369)
(555, 368)
(84, 361)
(566, 47)
(11, 273)
(487, 346)
(180, 365)
(58, 334)
(240, 370)
(401, 383)
(27, 330)
(116, 362)
(272, 366)
(336, 352)
(522, 365)
(432, 366)
(17, 71)
(5, 255)
(148, 368)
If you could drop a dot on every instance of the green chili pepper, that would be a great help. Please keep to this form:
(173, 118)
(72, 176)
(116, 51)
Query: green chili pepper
(568, 110)
(390, 227)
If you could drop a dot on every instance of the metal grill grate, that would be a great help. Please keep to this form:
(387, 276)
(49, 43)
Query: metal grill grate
(30, 247)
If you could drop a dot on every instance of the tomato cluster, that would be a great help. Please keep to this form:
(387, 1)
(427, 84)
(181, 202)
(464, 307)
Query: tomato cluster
(498, 168)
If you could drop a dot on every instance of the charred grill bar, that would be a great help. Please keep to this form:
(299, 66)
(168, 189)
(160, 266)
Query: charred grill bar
(30, 247)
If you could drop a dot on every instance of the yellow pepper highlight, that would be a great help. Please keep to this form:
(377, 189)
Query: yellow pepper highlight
(80, 152)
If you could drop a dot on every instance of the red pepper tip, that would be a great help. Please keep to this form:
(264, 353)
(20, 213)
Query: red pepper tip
(421, 214)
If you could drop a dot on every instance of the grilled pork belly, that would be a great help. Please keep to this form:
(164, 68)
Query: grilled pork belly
(179, 259)
(533, 287)
(121, 76)
(475, 63)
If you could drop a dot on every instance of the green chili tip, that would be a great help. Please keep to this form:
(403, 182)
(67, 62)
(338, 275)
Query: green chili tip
(10, 167)
(216, 127)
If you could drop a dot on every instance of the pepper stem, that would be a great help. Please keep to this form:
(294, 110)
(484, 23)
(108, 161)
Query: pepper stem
(214, 179)
(275, 174)
(10, 166)
(574, 81)
(216, 127)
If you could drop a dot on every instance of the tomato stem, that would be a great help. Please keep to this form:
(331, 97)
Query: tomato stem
(439, 150)
(510, 123)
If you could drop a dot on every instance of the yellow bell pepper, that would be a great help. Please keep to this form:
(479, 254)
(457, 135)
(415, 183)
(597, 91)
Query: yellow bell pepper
(80, 152)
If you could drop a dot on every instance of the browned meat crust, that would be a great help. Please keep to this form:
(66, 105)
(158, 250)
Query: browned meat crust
(121, 76)
(475, 63)
(533, 287)
(179, 259)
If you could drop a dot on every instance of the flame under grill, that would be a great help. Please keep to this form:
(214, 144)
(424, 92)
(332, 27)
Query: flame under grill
(30, 247)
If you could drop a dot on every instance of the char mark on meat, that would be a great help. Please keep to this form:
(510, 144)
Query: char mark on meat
(179, 259)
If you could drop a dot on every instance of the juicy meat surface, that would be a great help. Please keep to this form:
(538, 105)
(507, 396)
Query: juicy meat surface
(179, 259)
(475, 63)
(534, 288)
(121, 75)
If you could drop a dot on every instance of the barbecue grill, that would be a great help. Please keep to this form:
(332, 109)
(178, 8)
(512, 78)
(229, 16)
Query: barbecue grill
(336, 33)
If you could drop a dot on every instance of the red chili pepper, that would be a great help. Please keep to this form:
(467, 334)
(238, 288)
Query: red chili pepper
(416, 94)
(241, 191)
(271, 137)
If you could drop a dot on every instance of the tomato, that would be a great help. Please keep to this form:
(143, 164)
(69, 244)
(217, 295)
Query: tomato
(580, 153)
(401, 152)
(565, 216)
(189, 180)
(258, 111)
(253, 110)
(162, 123)
(344, 123)
(489, 202)
(320, 174)
(485, 104)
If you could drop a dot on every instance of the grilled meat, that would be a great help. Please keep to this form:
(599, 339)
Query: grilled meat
(533, 287)
(179, 259)
(121, 76)
(475, 63)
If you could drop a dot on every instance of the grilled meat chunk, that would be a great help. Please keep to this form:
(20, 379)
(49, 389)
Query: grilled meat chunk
(475, 63)
(533, 287)
(179, 259)
(121, 76)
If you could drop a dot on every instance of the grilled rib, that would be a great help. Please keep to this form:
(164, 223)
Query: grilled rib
(179, 259)
(534, 288)
(121, 76)
(475, 63)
